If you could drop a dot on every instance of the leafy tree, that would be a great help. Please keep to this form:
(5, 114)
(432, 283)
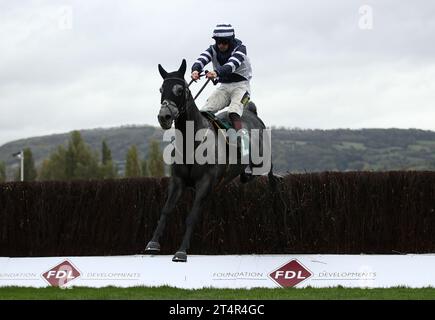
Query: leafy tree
(107, 169)
(77, 161)
(106, 153)
(30, 173)
(44, 172)
(81, 162)
(2, 172)
(156, 165)
(54, 167)
(133, 166)
(144, 165)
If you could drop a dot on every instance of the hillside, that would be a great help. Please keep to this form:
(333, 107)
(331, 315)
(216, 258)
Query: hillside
(294, 150)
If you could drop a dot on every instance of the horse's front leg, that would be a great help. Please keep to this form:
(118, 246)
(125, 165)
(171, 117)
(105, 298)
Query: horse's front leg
(176, 188)
(203, 190)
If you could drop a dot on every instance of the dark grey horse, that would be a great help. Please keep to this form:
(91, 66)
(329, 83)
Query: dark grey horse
(177, 105)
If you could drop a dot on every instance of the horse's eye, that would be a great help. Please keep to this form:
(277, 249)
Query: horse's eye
(177, 90)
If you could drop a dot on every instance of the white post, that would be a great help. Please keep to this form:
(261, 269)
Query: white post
(20, 155)
(22, 165)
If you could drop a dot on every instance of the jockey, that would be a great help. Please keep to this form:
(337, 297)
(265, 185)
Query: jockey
(232, 69)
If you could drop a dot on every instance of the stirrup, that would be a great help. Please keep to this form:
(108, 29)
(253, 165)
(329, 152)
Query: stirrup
(244, 143)
(232, 136)
(248, 170)
(241, 141)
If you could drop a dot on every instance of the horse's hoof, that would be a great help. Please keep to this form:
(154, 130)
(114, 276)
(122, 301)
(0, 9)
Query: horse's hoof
(180, 256)
(152, 247)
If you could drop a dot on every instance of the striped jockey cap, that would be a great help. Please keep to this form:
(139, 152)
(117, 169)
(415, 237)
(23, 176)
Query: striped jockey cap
(223, 30)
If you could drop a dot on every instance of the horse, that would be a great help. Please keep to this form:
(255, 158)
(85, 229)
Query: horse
(178, 106)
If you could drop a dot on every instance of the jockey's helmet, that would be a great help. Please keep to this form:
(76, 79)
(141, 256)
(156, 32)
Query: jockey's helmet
(224, 31)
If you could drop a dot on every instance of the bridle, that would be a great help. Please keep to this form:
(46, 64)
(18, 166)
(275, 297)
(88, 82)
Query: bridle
(183, 104)
(182, 107)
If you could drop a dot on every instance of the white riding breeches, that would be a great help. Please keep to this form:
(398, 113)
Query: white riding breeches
(228, 94)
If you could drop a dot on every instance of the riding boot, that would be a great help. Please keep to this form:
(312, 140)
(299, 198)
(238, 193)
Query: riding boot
(243, 141)
(235, 121)
(237, 125)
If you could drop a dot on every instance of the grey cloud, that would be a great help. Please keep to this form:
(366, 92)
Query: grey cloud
(308, 57)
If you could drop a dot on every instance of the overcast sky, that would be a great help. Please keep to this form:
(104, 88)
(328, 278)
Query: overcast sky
(68, 65)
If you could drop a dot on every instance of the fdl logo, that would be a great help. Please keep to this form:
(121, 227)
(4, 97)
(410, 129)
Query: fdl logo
(61, 274)
(290, 274)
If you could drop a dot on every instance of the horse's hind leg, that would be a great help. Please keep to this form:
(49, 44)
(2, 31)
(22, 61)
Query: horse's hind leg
(176, 188)
(203, 189)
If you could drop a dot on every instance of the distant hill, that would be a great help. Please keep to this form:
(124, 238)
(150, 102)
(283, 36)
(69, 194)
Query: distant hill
(294, 150)
(119, 140)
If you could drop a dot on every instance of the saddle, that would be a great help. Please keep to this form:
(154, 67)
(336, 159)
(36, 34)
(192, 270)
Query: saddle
(224, 122)
(218, 123)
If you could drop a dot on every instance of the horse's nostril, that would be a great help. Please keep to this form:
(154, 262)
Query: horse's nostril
(168, 117)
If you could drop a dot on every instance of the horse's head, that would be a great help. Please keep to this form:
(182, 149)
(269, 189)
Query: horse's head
(174, 95)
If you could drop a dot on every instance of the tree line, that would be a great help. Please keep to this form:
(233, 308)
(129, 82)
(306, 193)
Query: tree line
(2, 172)
(78, 161)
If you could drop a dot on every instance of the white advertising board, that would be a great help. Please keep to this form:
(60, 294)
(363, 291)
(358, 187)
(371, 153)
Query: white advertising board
(228, 271)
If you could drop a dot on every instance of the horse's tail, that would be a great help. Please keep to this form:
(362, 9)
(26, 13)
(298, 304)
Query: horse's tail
(277, 191)
(273, 178)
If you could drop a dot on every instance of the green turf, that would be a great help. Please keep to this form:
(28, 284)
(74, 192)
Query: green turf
(167, 293)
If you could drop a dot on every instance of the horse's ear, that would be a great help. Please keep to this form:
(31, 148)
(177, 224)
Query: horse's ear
(183, 66)
(163, 72)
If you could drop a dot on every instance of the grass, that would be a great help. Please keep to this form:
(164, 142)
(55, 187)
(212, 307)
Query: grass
(168, 293)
